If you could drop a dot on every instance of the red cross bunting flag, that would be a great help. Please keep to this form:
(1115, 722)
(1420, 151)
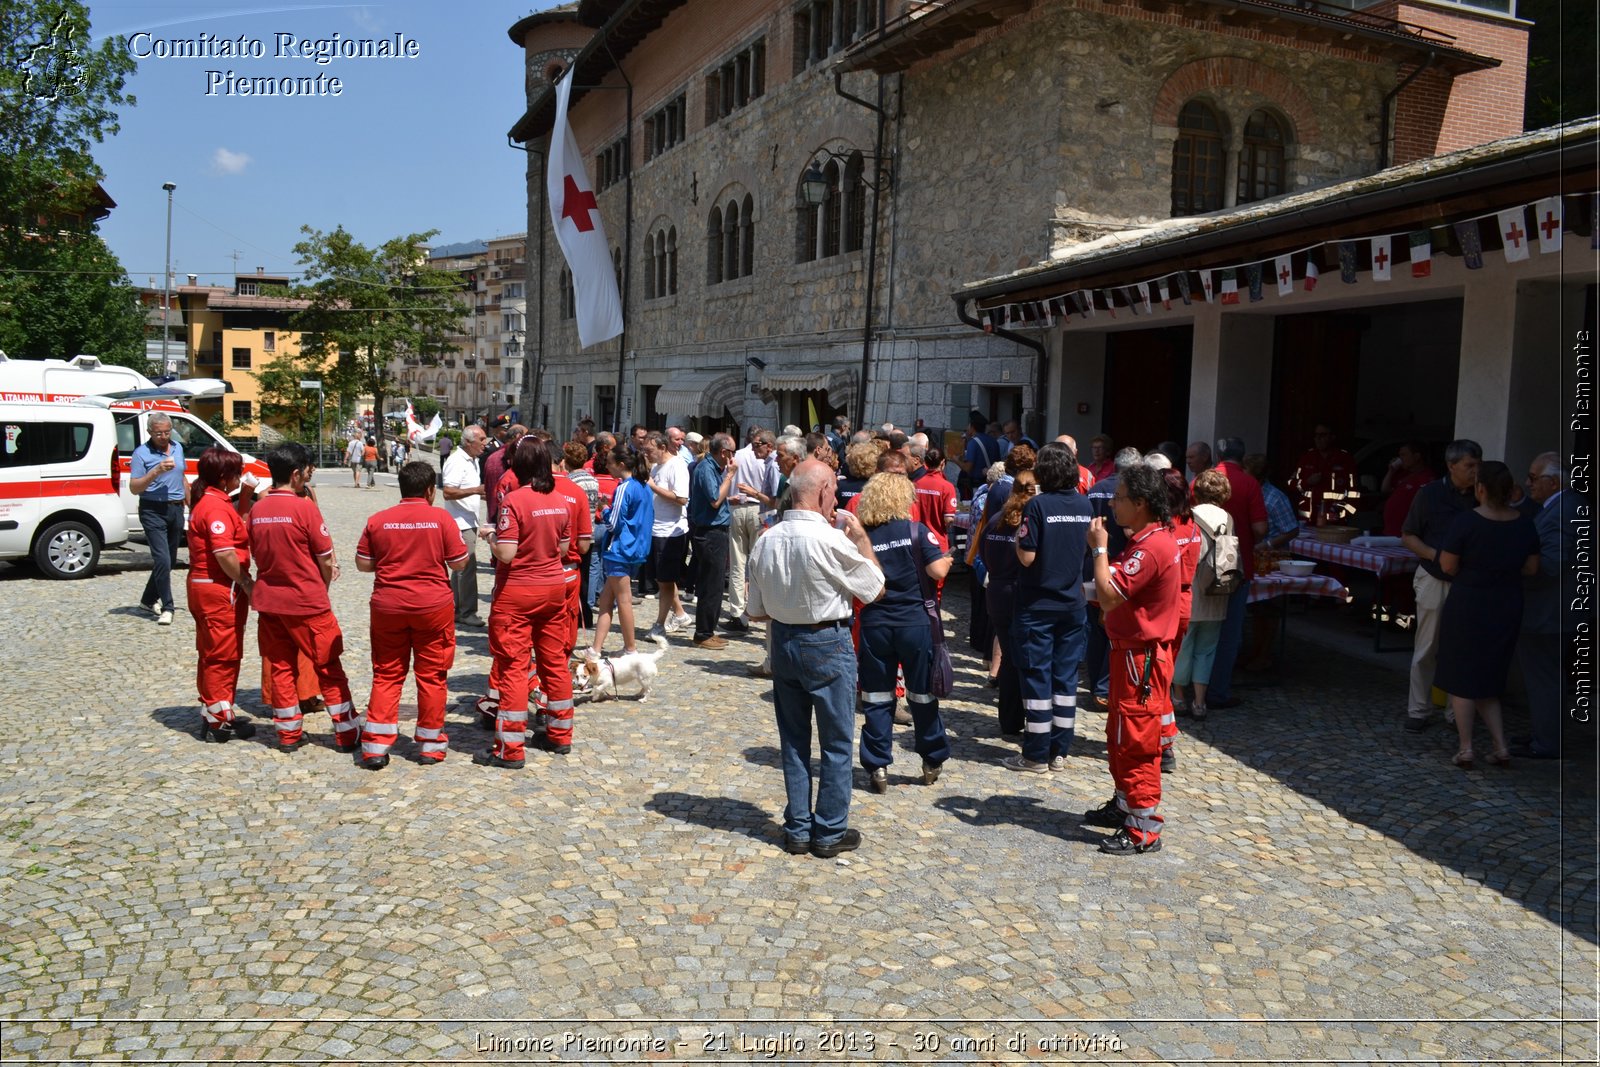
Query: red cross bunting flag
(1285, 275)
(575, 217)
(1382, 259)
(1512, 235)
(1548, 222)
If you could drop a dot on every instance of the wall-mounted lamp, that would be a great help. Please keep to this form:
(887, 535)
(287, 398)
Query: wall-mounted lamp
(815, 186)
(756, 361)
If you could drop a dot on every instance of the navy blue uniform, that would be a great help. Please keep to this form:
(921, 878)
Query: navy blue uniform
(1048, 627)
(849, 489)
(998, 550)
(895, 635)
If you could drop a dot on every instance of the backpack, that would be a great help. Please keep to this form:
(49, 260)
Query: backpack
(1220, 571)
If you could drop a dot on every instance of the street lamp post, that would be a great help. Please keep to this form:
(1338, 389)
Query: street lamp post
(308, 385)
(166, 279)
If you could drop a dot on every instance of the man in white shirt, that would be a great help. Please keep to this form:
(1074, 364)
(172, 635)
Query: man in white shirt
(464, 494)
(803, 576)
(352, 458)
(751, 467)
(669, 532)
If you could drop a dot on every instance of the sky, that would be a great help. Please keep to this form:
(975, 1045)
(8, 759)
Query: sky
(409, 145)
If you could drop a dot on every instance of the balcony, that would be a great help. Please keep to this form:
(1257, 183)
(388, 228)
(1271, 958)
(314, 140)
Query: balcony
(513, 271)
(470, 363)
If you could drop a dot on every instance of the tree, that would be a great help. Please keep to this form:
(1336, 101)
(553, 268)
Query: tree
(61, 290)
(424, 408)
(287, 407)
(369, 307)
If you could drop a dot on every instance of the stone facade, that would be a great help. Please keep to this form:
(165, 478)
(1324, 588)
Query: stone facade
(1056, 127)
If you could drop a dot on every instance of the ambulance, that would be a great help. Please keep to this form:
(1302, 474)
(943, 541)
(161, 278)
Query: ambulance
(131, 398)
(59, 492)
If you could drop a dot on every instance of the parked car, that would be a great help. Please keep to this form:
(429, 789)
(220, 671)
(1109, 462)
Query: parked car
(59, 485)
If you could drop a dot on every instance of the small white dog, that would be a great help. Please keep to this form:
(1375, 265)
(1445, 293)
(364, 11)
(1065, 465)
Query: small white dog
(607, 675)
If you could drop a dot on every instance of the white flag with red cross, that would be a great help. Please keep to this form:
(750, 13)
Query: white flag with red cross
(575, 217)
(1512, 235)
(1382, 259)
(1284, 270)
(1547, 223)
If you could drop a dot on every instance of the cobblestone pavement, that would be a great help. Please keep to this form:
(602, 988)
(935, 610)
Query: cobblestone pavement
(1331, 888)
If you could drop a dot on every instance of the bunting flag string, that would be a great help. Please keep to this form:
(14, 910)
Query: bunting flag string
(1518, 231)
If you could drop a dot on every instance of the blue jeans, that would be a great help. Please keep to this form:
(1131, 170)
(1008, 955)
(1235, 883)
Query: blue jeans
(597, 580)
(814, 672)
(163, 525)
(1099, 657)
(1228, 646)
(883, 650)
(1049, 645)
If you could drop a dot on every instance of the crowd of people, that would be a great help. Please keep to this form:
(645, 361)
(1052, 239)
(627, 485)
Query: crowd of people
(1131, 569)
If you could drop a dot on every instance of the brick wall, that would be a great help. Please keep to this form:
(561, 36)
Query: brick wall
(1437, 113)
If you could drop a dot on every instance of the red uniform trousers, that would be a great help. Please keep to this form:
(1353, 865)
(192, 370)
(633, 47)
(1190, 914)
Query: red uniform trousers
(1169, 721)
(305, 682)
(531, 620)
(1133, 734)
(219, 617)
(285, 638)
(426, 639)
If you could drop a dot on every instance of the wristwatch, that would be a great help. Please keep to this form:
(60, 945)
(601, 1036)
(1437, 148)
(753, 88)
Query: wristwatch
(1100, 550)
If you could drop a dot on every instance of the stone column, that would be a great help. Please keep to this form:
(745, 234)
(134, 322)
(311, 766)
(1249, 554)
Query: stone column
(1230, 377)
(1078, 376)
(1488, 339)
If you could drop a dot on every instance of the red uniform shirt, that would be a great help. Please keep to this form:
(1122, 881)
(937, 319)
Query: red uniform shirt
(536, 523)
(501, 488)
(1186, 535)
(1247, 506)
(578, 510)
(1086, 479)
(215, 526)
(608, 489)
(935, 503)
(1338, 475)
(1148, 574)
(409, 546)
(287, 537)
(1402, 493)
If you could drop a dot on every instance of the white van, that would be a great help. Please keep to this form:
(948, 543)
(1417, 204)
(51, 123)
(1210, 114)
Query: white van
(59, 503)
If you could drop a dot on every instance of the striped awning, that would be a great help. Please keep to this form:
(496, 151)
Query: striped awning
(701, 392)
(838, 382)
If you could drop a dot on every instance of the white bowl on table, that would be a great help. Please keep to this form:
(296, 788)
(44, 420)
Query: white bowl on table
(1296, 568)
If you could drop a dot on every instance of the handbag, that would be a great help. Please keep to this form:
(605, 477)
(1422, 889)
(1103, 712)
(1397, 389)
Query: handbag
(941, 674)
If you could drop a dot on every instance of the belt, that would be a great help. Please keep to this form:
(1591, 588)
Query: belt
(828, 625)
(745, 504)
(143, 503)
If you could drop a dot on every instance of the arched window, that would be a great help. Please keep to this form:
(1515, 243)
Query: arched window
(855, 204)
(481, 389)
(807, 221)
(1197, 158)
(569, 301)
(747, 238)
(832, 206)
(1261, 163)
(730, 241)
(714, 247)
(656, 279)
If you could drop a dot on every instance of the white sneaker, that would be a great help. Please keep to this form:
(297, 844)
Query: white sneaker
(683, 619)
(672, 625)
(658, 630)
(591, 655)
(164, 619)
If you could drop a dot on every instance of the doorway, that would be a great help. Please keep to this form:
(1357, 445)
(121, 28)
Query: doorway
(1146, 397)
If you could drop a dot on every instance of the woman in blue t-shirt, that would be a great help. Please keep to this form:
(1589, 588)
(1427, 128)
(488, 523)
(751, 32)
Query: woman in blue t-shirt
(997, 547)
(629, 519)
(896, 631)
(1048, 627)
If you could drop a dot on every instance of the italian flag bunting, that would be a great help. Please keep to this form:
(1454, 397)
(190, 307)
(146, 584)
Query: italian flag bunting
(1421, 254)
(1230, 286)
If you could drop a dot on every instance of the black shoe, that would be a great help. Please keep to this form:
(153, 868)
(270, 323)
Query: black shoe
(378, 764)
(930, 772)
(353, 746)
(489, 759)
(215, 735)
(736, 626)
(878, 778)
(1122, 844)
(1110, 815)
(544, 744)
(243, 730)
(1169, 760)
(1415, 724)
(290, 746)
(486, 720)
(1529, 752)
(794, 846)
(848, 843)
(471, 622)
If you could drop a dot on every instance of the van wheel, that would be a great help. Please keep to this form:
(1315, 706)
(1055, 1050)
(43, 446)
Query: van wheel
(67, 550)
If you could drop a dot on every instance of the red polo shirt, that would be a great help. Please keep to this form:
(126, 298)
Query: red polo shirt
(410, 545)
(287, 537)
(1246, 505)
(935, 504)
(536, 523)
(1148, 574)
(1186, 535)
(1401, 494)
(215, 526)
(578, 510)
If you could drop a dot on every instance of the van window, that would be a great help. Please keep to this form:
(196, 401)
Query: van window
(128, 435)
(194, 437)
(38, 443)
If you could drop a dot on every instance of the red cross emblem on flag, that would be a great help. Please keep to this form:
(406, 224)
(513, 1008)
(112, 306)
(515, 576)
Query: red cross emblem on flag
(577, 204)
(1514, 235)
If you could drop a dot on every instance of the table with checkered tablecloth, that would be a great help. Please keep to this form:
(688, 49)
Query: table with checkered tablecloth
(1268, 586)
(1384, 561)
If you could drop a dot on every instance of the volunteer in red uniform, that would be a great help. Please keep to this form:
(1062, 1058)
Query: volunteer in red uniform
(407, 549)
(936, 501)
(1138, 595)
(531, 615)
(1187, 537)
(1323, 468)
(294, 566)
(219, 593)
(582, 533)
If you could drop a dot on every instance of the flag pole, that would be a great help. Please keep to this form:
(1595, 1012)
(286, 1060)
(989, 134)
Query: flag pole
(627, 235)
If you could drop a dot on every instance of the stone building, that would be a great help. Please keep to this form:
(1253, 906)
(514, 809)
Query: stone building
(938, 143)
